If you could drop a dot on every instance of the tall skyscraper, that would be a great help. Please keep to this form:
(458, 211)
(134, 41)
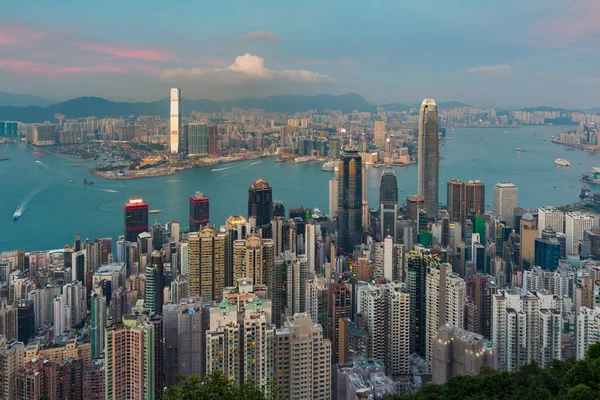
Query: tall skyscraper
(388, 187)
(206, 264)
(199, 211)
(505, 201)
(136, 219)
(333, 197)
(349, 222)
(175, 122)
(197, 139)
(464, 198)
(529, 232)
(418, 263)
(155, 283)
(260, 202)
(380, 134)
(429, 156)
(340, 306)
(212, 140)
(98, 305)
(388, 204)
(303, 362)
(253, 258)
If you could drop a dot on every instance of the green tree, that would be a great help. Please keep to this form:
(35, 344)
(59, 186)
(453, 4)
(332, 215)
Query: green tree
(582, 392)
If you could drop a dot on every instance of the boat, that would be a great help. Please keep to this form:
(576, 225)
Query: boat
(86, 182)
(506, 132)
(3, 159)
(562, 162)
(154, 211)
(303, 159)
(37, 153)
(593, 177)
(70, 180)
(15, 217)
(329, 166)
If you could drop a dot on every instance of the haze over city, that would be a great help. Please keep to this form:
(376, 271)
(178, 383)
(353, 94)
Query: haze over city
(501, 54)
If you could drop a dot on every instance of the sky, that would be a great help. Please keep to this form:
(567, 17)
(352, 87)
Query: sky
(494, 53)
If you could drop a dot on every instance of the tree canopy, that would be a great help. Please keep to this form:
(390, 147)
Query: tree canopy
(562, 380)
(215, 386)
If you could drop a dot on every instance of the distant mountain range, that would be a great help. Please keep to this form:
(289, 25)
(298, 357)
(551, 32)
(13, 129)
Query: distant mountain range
(23, 100)
(26, 108)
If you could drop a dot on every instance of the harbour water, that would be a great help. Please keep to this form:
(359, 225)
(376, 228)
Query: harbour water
(53, 210)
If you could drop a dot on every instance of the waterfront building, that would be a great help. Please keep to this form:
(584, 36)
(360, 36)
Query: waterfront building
(429, 156)
(349, 220)
(136, 219)
(174, 121)
(199, 211)
(576, 223)
(260, 202)
(505, 202)
(551, 217)
(380, 134)
(197, 139)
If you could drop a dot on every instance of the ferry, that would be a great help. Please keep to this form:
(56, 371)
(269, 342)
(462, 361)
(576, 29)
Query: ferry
(562, 162)
(15, 217)
(329, 166)
(154, 211)
(86, 182)
(303, 159)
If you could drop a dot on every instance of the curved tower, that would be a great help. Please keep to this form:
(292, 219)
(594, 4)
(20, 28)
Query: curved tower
(429, 156)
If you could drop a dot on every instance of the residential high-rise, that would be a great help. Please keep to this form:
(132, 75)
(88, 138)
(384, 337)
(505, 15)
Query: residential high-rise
(197, 138)
(551, 217)
(186, 323)
(206, 263)
(333, 197)
(253, 258)
(303, 360)
(349, 220)
(12, 357)
(175, 122)
(588, 330)
(340, 306)
(576, 223)
(260, 202)
(297, 275)
(386, 310)
(317, 292)
(505, 202)
(429, 156)
(98, 306)
(445, 301)
(179, 289)
(155, 284)
(130, 360)
(199, 211)
(380, 134)
(460, 352)
(136, 219)
(526, 328)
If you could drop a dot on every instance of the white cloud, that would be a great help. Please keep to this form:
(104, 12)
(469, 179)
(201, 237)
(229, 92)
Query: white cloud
(588, 81)
(487, 70)
(247, 68)
(261, 35)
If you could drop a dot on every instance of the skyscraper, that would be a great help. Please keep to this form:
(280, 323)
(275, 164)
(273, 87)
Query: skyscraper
(155, 284)
(206, 264)
(349, 222)
(199, 211)
(197, 138)
(98, 305)
(551, 217)
(260, 202)
(429, 156)
(333, 197)
(175, 123)
(136, 219)
(212, 140)
(505, 202)
(576, 223)
(418, 263)
(388, 204)
(464, 198)
(380, 134)
(388, 187)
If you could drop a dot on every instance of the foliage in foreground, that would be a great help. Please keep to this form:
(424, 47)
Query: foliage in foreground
(215, 386)
(563, 380)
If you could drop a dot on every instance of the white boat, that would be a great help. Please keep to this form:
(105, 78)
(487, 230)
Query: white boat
(304, 159)
(562, 162)
(329, 166)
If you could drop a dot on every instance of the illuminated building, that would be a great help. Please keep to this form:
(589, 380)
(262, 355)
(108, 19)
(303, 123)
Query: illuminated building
(199, 211)
(136, 219)
(349, 220)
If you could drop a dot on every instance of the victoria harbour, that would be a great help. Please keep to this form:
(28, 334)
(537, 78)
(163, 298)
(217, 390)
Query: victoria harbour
(56, 209)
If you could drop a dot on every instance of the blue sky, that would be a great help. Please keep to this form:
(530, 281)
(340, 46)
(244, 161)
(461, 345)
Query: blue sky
(487, 53)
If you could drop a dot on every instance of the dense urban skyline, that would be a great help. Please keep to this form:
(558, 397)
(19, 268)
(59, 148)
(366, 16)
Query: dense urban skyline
(498, 54)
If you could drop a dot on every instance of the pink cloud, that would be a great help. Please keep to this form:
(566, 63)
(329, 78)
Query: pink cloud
(26, 67)
(12, 34)
(122, 52)
(579, 22)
